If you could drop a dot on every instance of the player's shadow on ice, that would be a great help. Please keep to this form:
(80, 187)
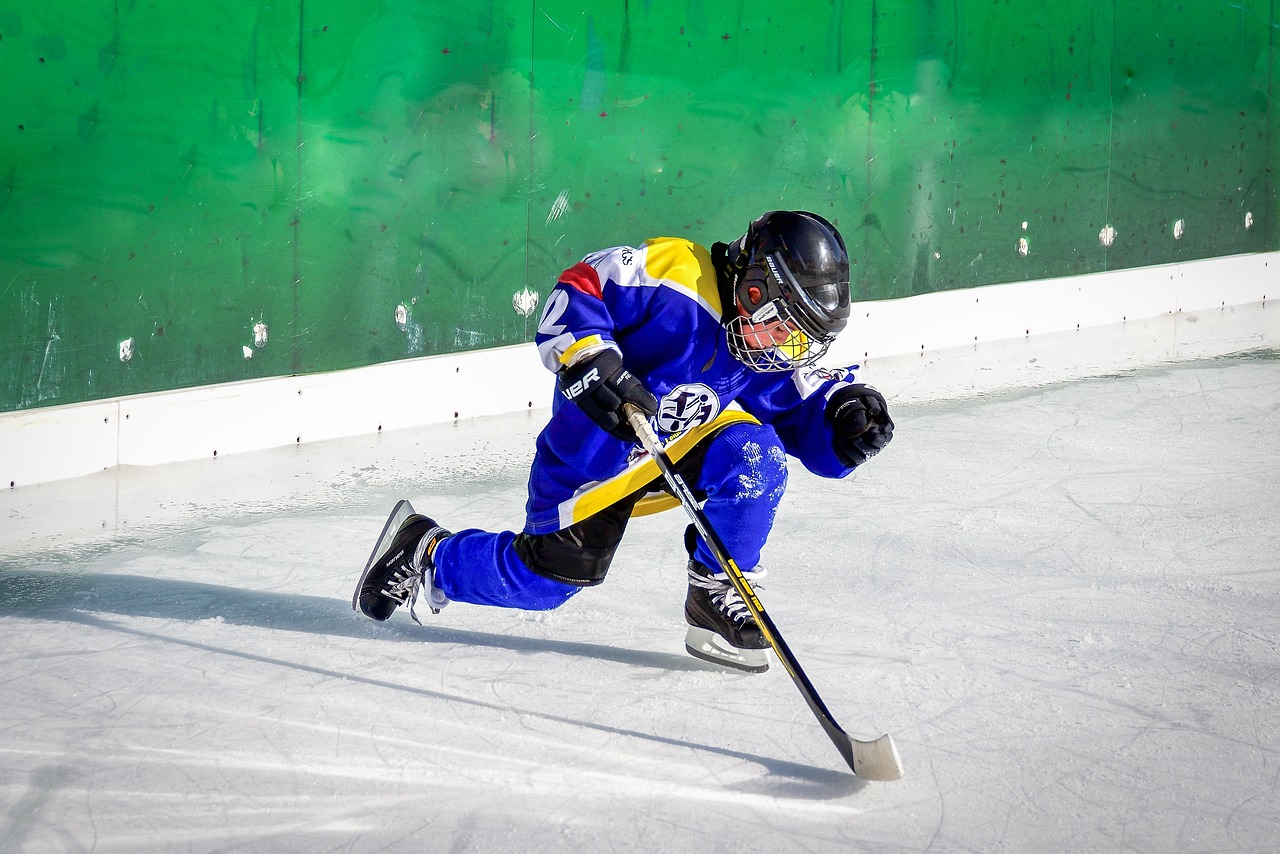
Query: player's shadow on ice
(81, 598)
(47, 593)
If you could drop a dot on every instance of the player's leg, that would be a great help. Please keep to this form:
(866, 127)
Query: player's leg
(534, 572)
(742, 473)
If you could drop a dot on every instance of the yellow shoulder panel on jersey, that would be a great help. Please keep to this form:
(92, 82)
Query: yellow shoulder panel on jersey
(685, 266)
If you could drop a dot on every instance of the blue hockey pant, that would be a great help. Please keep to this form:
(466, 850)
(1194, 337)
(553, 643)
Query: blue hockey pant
(739, 473)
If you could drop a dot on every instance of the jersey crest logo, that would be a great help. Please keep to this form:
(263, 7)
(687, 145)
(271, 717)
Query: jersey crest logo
(687, 406)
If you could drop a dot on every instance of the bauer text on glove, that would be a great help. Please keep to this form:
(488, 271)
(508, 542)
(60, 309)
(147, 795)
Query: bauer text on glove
(860, 423)
(600, 385)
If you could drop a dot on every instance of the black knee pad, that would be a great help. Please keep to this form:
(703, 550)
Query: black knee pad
(558, 557)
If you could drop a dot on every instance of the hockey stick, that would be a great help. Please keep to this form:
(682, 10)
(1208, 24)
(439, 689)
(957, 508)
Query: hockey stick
(870, 760)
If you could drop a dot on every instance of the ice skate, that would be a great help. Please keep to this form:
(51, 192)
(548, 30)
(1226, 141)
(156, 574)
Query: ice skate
(400, 570)
(721, 628)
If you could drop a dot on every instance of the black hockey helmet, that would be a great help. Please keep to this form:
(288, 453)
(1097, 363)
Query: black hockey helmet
(791, 265)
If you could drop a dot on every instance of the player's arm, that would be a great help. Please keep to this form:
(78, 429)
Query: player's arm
(824, 419)
(576, 323)
(575, 339)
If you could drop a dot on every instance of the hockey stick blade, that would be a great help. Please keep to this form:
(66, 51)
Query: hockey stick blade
(877, 760)
(871, 760)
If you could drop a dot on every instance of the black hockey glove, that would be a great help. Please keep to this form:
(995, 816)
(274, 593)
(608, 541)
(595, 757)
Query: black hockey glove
(600, 385)
(861, 424)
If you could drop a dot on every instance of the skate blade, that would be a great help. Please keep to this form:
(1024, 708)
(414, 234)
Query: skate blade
(403, 510)
(709, 646)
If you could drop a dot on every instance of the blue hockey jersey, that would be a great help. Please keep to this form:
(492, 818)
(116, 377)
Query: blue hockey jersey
(660, 306)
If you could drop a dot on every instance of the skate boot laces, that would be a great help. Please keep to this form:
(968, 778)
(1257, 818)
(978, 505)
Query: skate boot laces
(417, 580)
(723, 595)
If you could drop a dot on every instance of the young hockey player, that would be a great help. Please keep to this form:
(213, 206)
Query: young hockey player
(718, 348)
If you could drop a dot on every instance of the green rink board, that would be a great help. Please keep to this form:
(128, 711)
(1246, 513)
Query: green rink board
(201, 193)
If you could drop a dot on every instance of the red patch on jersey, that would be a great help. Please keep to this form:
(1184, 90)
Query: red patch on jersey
(582, 276)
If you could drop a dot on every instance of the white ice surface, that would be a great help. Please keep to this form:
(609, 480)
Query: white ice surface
(1064, 603)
